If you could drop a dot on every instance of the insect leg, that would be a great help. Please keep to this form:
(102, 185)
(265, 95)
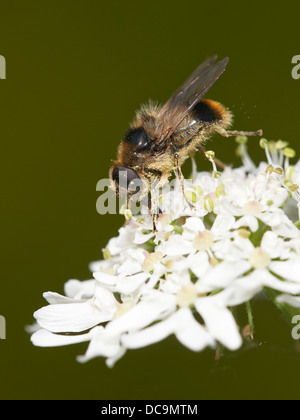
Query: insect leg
(154, 207)
(226, 133)
(181, 179)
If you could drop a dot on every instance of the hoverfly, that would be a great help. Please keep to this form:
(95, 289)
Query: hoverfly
(160, 139)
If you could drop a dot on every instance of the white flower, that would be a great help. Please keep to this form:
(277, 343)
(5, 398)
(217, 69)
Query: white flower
(238, 240)
(259, 198)
(73, 315)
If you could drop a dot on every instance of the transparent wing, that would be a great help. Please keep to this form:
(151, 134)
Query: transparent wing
(186, 97)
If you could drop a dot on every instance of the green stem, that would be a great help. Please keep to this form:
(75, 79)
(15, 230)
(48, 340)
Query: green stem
(219, 352)
(256, 237)
(250, 319)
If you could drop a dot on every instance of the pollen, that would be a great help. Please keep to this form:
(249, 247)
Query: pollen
(110, 271)
(294, 188)
(163, 219)
(169, 264)
(280, 144)
(289, 153)
(210, 155)
(289, 173)
(199, 190)
(106, 254)
(270, 169)
(204, 240)
(220, 190)
(123, 308)
(191, 196)
(278, 171)
(208, 202)
(187, 295)
(214, 261)
(150, 260)
(264, 143)
(244, 233)
(161, 199)
(128, 214)
(252, 208)
(167, 236)
(241, 139)
(259, 259)
(140, 220)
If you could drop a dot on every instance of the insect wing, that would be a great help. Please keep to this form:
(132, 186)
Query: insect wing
(186, 97)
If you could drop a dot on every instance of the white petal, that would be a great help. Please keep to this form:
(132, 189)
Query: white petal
(281, 286)
(122, 242)
(107, 279)
(222, 224)
(271, 218)
(187, 330)
(286, 228)
(79, 289)
(260, 185)
(103, 344)
(130, 266)
(219, 322)
(273, 245)
(30, 329)
(228, 208)
(101, 265)
(229, 250)
(175, 281)
(111, 361)
(190, 333)
(44, 338)
(70, 317)
(249, 221)
(225, 273)
(176, 246)
(104, 299)
(277, 195)
(150, 335)
(290, 300)
(289, 270)
(95, 266)
(56, 298)
(140, 238)
(242, 290)
(152, 308)
(194, 225)
(199, 263)
(129, 284)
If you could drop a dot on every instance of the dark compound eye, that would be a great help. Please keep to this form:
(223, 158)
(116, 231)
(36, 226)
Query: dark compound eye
(126, 178)
(138, 138)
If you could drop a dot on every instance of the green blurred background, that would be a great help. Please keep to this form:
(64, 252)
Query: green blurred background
(76, 72)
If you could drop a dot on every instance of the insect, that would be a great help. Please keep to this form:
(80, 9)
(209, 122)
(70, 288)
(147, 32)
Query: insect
(160, 139)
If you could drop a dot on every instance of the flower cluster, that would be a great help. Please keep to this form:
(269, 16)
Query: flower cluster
(241, 237)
